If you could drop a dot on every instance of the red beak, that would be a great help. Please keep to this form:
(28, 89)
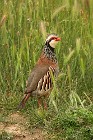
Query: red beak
(57, 39)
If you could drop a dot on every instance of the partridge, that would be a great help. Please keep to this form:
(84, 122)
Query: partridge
(40, 83)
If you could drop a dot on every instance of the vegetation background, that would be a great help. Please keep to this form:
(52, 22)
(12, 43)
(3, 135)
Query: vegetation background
(23, 29)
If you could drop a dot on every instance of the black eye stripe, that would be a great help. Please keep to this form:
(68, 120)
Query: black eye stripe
(52, 38)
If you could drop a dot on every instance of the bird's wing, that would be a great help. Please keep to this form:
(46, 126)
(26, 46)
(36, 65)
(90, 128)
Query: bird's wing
(37, 73)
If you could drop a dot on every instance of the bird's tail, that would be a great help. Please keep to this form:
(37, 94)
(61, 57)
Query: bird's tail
(24, 100)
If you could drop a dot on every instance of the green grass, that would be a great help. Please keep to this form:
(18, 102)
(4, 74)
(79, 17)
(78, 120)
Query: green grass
(23, 28)
(6, 136)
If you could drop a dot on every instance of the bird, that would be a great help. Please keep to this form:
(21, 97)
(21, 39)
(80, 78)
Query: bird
(40, 81)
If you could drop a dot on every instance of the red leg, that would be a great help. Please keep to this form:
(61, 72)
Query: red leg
(39, 103)
(45, 104)
(45, 101)
(22, 103)
(26, 98)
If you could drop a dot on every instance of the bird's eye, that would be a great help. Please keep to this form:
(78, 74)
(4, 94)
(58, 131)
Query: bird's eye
(53, 38)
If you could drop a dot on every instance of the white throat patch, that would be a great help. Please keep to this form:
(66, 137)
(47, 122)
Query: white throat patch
(53, 43)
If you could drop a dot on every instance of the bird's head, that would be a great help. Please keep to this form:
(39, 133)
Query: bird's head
(52, 40)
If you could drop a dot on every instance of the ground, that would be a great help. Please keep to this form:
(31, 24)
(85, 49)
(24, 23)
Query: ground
(15, 125)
